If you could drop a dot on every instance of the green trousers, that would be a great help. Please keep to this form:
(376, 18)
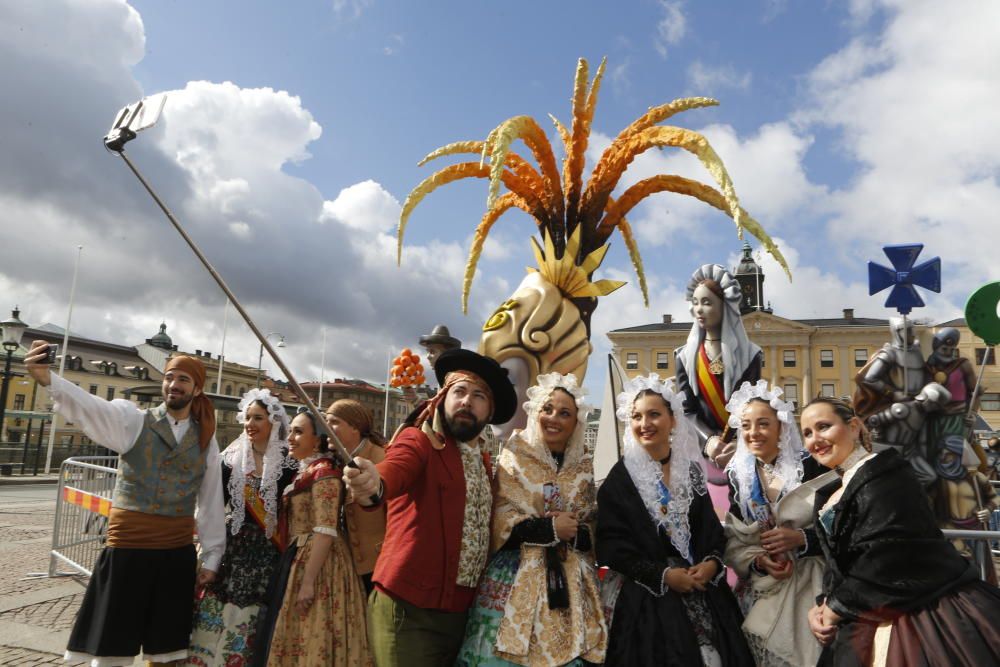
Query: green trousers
(402, 635)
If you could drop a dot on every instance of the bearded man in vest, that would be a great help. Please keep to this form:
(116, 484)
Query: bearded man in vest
(436, 480)
(140, 592)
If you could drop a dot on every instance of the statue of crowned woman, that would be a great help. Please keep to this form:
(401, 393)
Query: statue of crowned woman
(717, 359)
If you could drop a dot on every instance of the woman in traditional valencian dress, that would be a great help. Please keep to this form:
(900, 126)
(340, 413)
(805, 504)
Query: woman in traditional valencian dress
(657, 528)
(716, 359)
(538, 602)
(322, 617)
(895, 592)
(255, 472)
(771, 543)
(353, 424)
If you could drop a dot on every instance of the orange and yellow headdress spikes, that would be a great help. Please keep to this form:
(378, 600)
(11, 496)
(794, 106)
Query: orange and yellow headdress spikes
(576, 221)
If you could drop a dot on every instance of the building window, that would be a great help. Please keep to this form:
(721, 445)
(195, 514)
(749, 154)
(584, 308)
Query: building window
(981, 352)
(662, 360)
(828, 389)
(789, 358)
(860, 357)
(826, 358)
(111, 393)
(215, 387)
(19, 401)
(632, 361)
(229, 390)
(93, 389)
(792, 394)
(990, 402)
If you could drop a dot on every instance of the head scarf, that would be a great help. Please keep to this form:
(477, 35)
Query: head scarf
(239, 457)
(953, 469)
(687, 477)
(737, 350)
(429, 420)
(358, 416)
(743, 466)
(201, 407)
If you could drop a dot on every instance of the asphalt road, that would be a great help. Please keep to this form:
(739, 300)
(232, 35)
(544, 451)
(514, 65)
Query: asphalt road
(20, 494)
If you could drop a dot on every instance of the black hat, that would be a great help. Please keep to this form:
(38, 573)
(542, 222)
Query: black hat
(492, 373)
(441, 336)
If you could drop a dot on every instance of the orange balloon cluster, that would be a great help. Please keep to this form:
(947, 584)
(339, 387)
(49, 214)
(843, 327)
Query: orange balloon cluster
(407, 371)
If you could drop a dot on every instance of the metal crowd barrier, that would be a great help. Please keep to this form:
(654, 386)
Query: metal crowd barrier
(86, 487)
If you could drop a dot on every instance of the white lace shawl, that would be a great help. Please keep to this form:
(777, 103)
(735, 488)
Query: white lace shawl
(239, 456)
(687, 477)
(737, 350)
(743, 466)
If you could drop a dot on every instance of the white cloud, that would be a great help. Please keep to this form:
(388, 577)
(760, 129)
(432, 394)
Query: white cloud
(364, 206)
(766, 167)
(914, 107)
(241, 230)
(671, 28)
(350, 9)
(621, 83)
(396, 42)
(709, 80)
(295, 261)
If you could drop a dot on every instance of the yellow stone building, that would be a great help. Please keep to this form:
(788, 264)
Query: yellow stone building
(805, 357)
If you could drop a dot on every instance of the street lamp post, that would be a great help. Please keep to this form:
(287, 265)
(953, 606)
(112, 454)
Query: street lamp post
(260, 356)
(13, 329)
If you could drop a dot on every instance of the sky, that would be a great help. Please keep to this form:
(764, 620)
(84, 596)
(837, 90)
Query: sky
(292, 132)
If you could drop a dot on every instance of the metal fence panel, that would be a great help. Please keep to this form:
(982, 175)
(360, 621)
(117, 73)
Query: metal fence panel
(86, 487)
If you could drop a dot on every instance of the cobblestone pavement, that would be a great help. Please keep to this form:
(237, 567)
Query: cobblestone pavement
(32, 633)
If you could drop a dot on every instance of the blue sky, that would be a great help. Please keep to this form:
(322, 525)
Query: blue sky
(292, 133)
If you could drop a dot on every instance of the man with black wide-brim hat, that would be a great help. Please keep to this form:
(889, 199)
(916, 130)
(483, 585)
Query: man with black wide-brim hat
(437, 341)
(436, 481)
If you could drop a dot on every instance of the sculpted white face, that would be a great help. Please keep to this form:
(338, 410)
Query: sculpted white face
(706, 307)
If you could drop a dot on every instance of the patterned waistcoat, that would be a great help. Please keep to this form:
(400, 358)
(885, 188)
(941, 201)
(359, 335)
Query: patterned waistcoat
(158, 475)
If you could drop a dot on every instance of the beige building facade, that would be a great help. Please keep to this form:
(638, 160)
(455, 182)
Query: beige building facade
(805, 357)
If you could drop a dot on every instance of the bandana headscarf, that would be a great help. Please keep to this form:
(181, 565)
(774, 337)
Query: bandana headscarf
(429, 420)
(358, 416)
(201, 407)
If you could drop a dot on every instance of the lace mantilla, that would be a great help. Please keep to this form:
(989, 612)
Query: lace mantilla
(538, 395)
(239, 456)
(788, 465)
(687, 477)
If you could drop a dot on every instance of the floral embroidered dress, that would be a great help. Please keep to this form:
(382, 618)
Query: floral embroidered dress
(225, 617)
(518, 617)
(333, 631)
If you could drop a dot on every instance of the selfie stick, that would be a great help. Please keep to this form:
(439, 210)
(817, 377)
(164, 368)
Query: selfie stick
(131, 120)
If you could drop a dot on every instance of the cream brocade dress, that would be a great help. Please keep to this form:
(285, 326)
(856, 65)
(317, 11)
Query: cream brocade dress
(333, 632)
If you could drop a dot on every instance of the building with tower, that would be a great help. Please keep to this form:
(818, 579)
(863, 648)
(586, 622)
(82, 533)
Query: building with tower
(805, 357)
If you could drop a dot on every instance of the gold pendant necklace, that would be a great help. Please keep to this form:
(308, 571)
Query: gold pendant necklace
(716, 366)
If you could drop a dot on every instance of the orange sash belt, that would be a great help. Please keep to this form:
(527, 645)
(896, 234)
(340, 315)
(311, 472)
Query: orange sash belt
(137, 530)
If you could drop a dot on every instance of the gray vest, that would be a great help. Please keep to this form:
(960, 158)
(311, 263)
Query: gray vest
(158, 475)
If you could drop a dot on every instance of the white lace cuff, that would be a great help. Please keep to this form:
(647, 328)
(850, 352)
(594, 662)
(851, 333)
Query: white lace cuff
(325, 530)
(663, 584)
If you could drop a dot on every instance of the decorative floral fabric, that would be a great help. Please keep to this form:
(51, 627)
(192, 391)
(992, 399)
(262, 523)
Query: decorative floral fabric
(478, 501)
(528, 632)
(225, 618)
(333, 631)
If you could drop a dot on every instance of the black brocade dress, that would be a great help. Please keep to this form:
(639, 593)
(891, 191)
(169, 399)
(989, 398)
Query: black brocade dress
(651, 624)
(888, 562)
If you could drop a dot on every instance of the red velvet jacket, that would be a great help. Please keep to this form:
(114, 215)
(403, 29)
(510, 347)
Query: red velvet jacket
(425, 491)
